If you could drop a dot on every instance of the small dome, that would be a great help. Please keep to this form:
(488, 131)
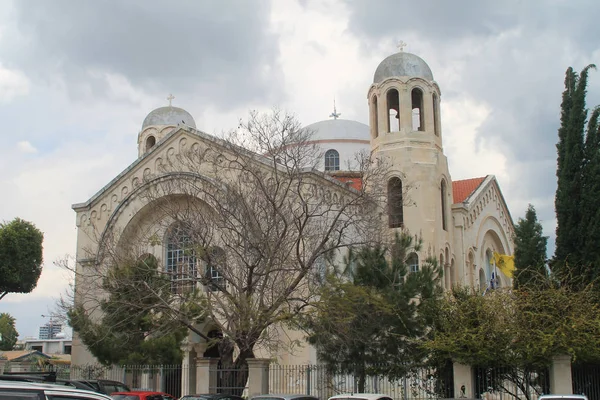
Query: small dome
(402, 64)
(339, 129)
(169, 116)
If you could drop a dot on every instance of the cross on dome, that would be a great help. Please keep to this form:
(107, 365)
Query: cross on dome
(401, 45)
(170, 98)
(334, 114)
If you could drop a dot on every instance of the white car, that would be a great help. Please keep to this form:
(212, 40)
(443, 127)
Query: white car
(563, 397)
(14, 390)
(361, 396)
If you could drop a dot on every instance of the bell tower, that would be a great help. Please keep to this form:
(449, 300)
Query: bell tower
(404, 113)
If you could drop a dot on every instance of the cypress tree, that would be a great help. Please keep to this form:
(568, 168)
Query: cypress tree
(561, 197)
(530, 252)
(570, 237)
(590, 201)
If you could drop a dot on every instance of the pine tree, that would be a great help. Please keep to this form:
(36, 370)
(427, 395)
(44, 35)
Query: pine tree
(367, 321)
(530, 252)
(570, 237)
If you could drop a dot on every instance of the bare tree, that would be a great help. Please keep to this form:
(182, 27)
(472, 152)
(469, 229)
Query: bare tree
(247, 223)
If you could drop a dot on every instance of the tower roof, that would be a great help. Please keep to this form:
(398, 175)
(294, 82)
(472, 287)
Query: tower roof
(402, 64)
(334, 129)
(169, 115)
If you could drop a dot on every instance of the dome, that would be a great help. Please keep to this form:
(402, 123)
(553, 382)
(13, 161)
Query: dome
(169, 116)
(339, 129)
(402, 64)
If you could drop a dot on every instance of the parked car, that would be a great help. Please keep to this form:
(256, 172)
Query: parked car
(563, 397)
(211, 396)
(105, 386)
(19, 390)
(361, 396)
(284, 397)
(141, 395)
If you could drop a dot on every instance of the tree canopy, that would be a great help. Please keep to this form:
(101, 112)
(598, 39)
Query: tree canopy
(8, 332)
(518, 328)
(20, 256)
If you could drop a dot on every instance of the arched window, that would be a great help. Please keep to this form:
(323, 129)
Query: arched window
(443, 204)
(395, 206)
(436, 113)
(418, 116)
(374, 117)
(393, 110)
(150, 142)
(413, 262)
(215, 265)
(332, 160)
(181, 262)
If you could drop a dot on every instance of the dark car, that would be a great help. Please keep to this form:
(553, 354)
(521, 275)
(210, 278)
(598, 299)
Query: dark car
(211, 396)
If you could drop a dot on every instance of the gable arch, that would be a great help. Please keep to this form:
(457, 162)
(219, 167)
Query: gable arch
(128, 212)
(492, 227)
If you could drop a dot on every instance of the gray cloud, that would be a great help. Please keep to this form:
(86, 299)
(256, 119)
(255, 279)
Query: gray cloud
(511, 56)
(220, 51)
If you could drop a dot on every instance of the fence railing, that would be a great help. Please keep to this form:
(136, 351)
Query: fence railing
(316, 380)
(503, 383)
(586, 380)
(164, 378)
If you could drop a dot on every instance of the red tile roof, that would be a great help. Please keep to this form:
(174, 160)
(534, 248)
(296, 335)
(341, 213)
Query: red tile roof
(461, 190)
(355, 183)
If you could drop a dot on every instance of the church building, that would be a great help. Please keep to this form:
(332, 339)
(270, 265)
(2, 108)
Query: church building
(462, 222)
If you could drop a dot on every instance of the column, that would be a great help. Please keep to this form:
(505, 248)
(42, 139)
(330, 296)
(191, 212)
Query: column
(560, 375)
(463, 381)
(258, 376)
(206, 375)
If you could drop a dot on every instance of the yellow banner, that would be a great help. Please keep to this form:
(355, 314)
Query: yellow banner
(505, 263)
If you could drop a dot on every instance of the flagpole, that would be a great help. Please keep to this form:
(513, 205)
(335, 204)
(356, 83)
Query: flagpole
(495, 271)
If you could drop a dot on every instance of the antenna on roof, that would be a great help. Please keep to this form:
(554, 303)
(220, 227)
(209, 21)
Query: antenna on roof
(334, 114)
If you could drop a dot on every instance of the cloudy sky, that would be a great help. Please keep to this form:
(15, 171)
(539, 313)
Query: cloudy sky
(77, 78)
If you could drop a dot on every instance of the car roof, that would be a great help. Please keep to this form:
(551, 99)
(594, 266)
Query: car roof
(212, 395)
(287, 396)
(141, 392)
(49, 387)
(368, 396)
(563, 396)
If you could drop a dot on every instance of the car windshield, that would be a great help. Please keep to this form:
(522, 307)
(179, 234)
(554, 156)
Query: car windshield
(125, 397)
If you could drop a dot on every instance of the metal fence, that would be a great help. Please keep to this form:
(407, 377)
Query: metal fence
(501, 383)
(228, 380)
(586, 380)
(164, 378)
(317, 381)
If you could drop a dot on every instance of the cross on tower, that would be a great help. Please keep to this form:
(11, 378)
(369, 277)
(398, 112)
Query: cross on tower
(401, 45)
(170, 98)
(335, 114)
